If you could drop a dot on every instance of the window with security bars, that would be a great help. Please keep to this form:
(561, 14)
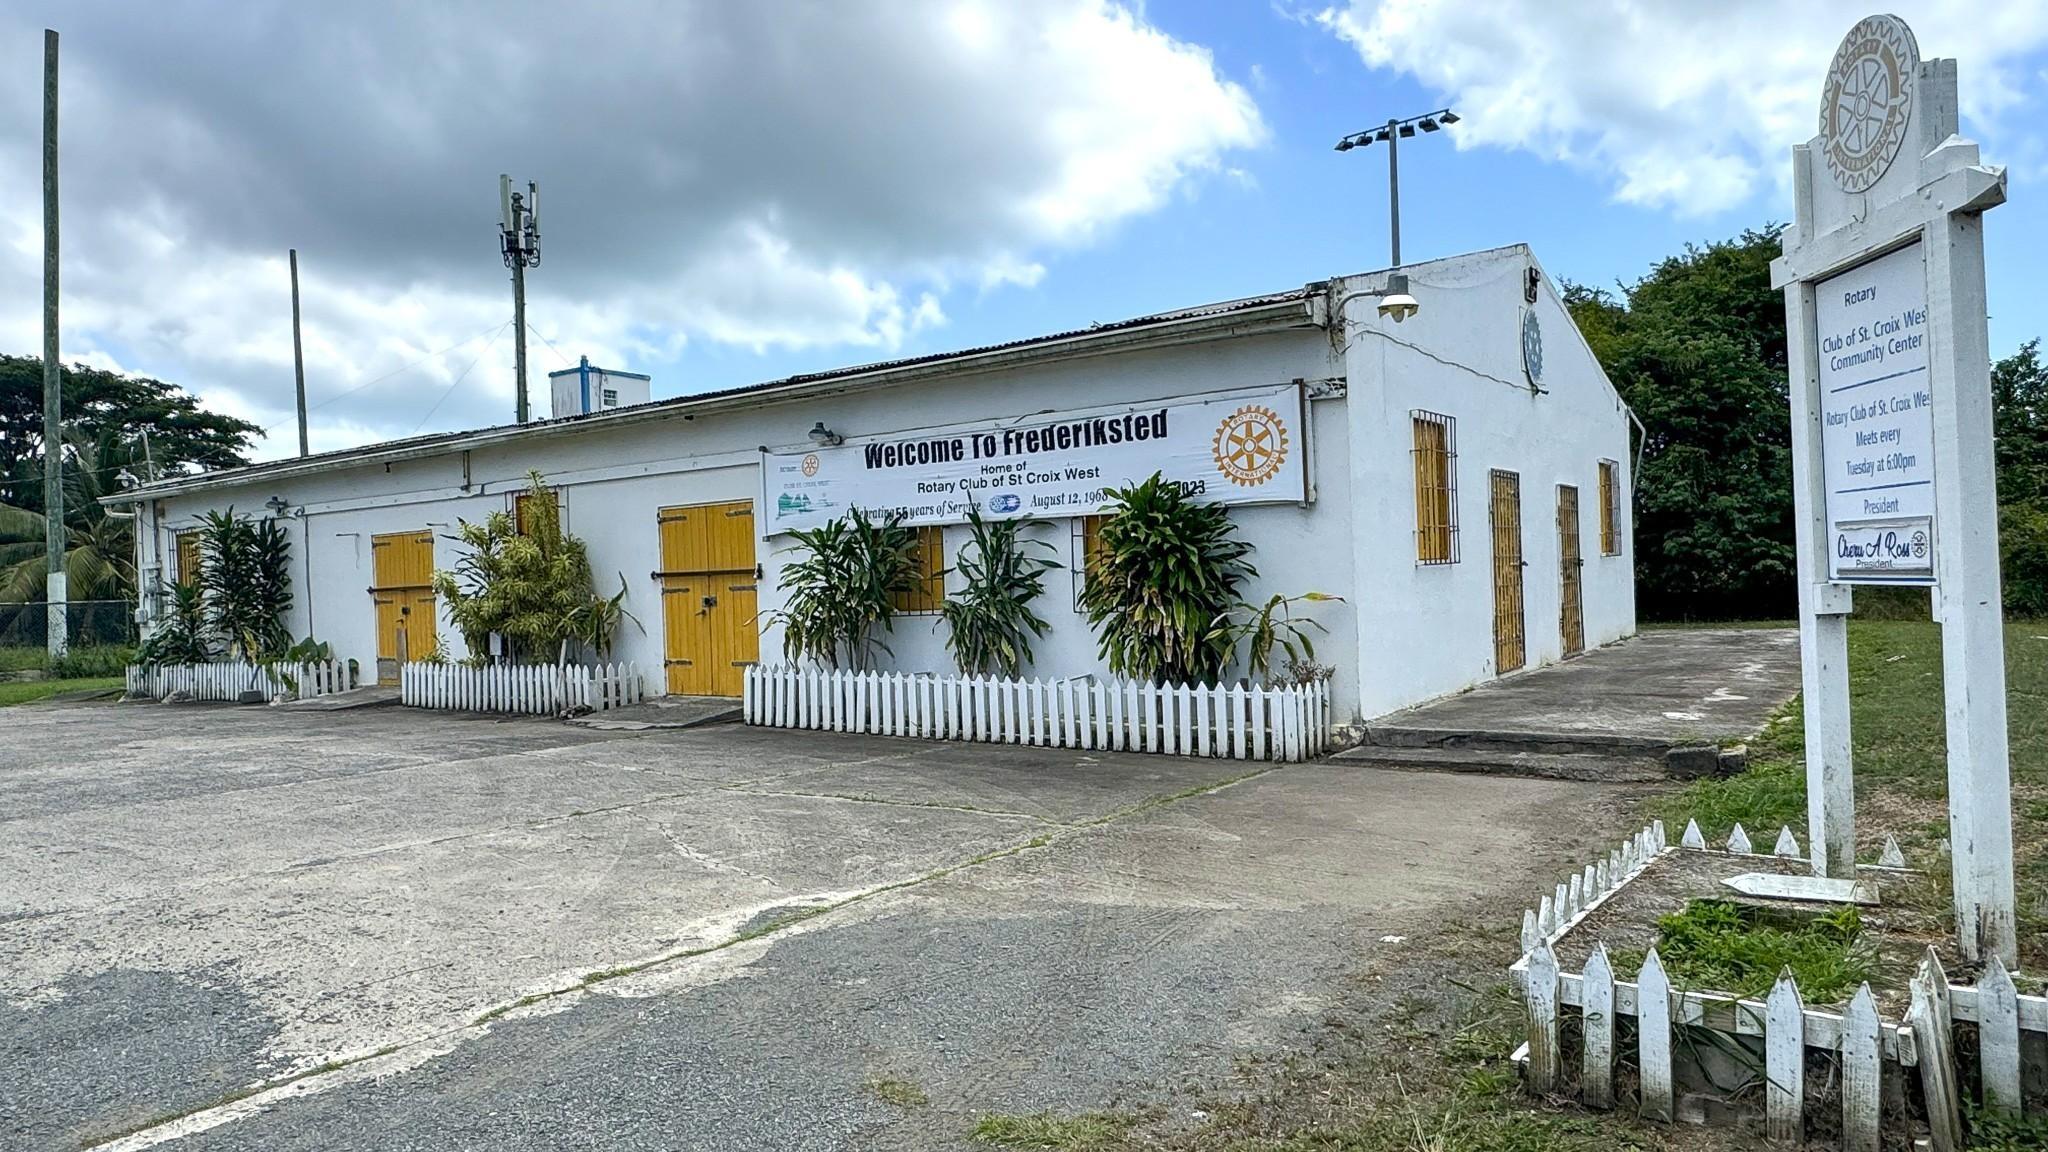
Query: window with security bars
(1086, 545)
(188, 555)
(930, 591)
(1610, 508)
(522, 503)
(1436, 488)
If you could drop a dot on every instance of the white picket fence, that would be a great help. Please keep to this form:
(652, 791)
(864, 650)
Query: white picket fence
(1861, 1041)
(228, 680)
(1237, 722)
(523, 689)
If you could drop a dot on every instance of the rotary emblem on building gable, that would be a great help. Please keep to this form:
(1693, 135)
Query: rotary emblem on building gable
(1868, 100)
(1250, 445)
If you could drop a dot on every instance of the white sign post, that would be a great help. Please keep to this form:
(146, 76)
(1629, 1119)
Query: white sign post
(1892, 469)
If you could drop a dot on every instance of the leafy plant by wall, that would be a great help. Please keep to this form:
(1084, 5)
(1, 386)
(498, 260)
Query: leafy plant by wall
(1271, 628)
(184, 635)
(531, 588)
(843, 589)
(246, 583)
(990, 621)
(1166, 571)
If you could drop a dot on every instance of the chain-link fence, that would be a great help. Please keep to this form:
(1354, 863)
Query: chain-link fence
(87, 624)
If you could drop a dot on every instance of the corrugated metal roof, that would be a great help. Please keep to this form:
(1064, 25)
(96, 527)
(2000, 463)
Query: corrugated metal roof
(413, 443)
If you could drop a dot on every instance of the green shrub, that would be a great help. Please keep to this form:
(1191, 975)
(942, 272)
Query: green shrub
(98, 660)
(1167, 572)
(844, 587)
(989, 619)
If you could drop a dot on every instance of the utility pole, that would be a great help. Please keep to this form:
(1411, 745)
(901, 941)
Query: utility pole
(54, 534)
(519, 240)
(298, 353)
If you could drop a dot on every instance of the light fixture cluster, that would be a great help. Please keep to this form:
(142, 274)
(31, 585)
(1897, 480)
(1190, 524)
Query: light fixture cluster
(1441, 118)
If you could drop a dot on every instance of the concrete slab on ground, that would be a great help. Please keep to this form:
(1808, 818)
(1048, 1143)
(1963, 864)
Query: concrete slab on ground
(1652, 706)
(520, 934)
(1669, 686)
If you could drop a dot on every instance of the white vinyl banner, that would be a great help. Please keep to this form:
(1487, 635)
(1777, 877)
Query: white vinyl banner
(1877, 421)
(1240, 447)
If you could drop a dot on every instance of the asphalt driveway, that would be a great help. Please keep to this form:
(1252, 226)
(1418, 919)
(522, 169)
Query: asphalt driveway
(249, 928)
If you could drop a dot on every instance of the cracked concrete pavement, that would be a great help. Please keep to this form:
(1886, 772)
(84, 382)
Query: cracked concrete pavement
(203, 909)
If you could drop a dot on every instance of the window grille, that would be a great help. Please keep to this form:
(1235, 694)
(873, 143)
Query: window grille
(1436, 488)
(1084, 545)
(930, 591)
(1610, 508)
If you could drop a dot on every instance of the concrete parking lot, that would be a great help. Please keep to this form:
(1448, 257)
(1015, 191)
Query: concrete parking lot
(253, 928)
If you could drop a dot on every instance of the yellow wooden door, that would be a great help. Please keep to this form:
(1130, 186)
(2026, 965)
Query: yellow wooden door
(1510, 642)
(708, 597)
(402, 590)
(1571, 615)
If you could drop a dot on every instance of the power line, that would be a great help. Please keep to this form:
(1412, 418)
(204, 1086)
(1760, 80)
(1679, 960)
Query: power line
(491, 331)
(465, 373)
(551, 346)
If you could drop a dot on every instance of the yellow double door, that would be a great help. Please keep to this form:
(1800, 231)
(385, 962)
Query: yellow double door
(708, 597)
(402, 589)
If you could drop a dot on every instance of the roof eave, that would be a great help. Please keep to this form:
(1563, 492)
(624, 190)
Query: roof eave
(1278, 315)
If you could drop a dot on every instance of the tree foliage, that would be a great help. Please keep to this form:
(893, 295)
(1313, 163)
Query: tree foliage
(99, 553)
(1697, 349)
(113, 412)
(843, 588)
(1167, 572)
(990, 622)
(2019, 398)
(531, 588)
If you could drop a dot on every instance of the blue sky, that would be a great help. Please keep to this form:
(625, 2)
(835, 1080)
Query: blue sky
(1302, 211)
(742, 197)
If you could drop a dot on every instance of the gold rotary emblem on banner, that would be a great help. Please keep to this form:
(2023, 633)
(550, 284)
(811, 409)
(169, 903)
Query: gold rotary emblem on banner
(1250, 445)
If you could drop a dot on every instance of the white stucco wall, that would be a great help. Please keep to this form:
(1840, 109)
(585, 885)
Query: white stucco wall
(1406, 633)
(614, 480)
(1427, 630)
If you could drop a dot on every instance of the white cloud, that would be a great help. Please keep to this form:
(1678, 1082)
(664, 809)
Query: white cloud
(1686, 106)
(727, 176)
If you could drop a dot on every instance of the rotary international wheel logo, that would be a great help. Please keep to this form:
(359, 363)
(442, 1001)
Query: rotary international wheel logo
(810, 464)
(1867, 100)
(1250, 446)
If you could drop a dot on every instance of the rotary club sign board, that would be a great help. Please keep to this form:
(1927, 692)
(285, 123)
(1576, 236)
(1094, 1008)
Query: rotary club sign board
(1239, 447)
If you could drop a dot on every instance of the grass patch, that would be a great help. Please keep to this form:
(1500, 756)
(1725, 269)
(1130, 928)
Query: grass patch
(28, 691)
(1090, 1132)
(902, 1093)
(1901, 758)
(89, 660)
(1729, 947)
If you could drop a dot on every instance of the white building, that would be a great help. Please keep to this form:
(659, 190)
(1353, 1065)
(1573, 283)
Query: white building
(1461, 479)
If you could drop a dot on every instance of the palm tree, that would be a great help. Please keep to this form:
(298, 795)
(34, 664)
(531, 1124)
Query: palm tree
(99, 553)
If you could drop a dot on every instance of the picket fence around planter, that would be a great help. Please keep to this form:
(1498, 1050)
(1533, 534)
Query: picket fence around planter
(228, 680)
(1237, 722)
(521, 689)
(1858, 1037)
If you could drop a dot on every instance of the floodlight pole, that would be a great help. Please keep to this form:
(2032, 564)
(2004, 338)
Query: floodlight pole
(1394, 185)
(1391, 133)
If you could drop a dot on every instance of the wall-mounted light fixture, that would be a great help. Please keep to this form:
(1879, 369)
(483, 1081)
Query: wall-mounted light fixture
(278, 505)
(825, 437)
